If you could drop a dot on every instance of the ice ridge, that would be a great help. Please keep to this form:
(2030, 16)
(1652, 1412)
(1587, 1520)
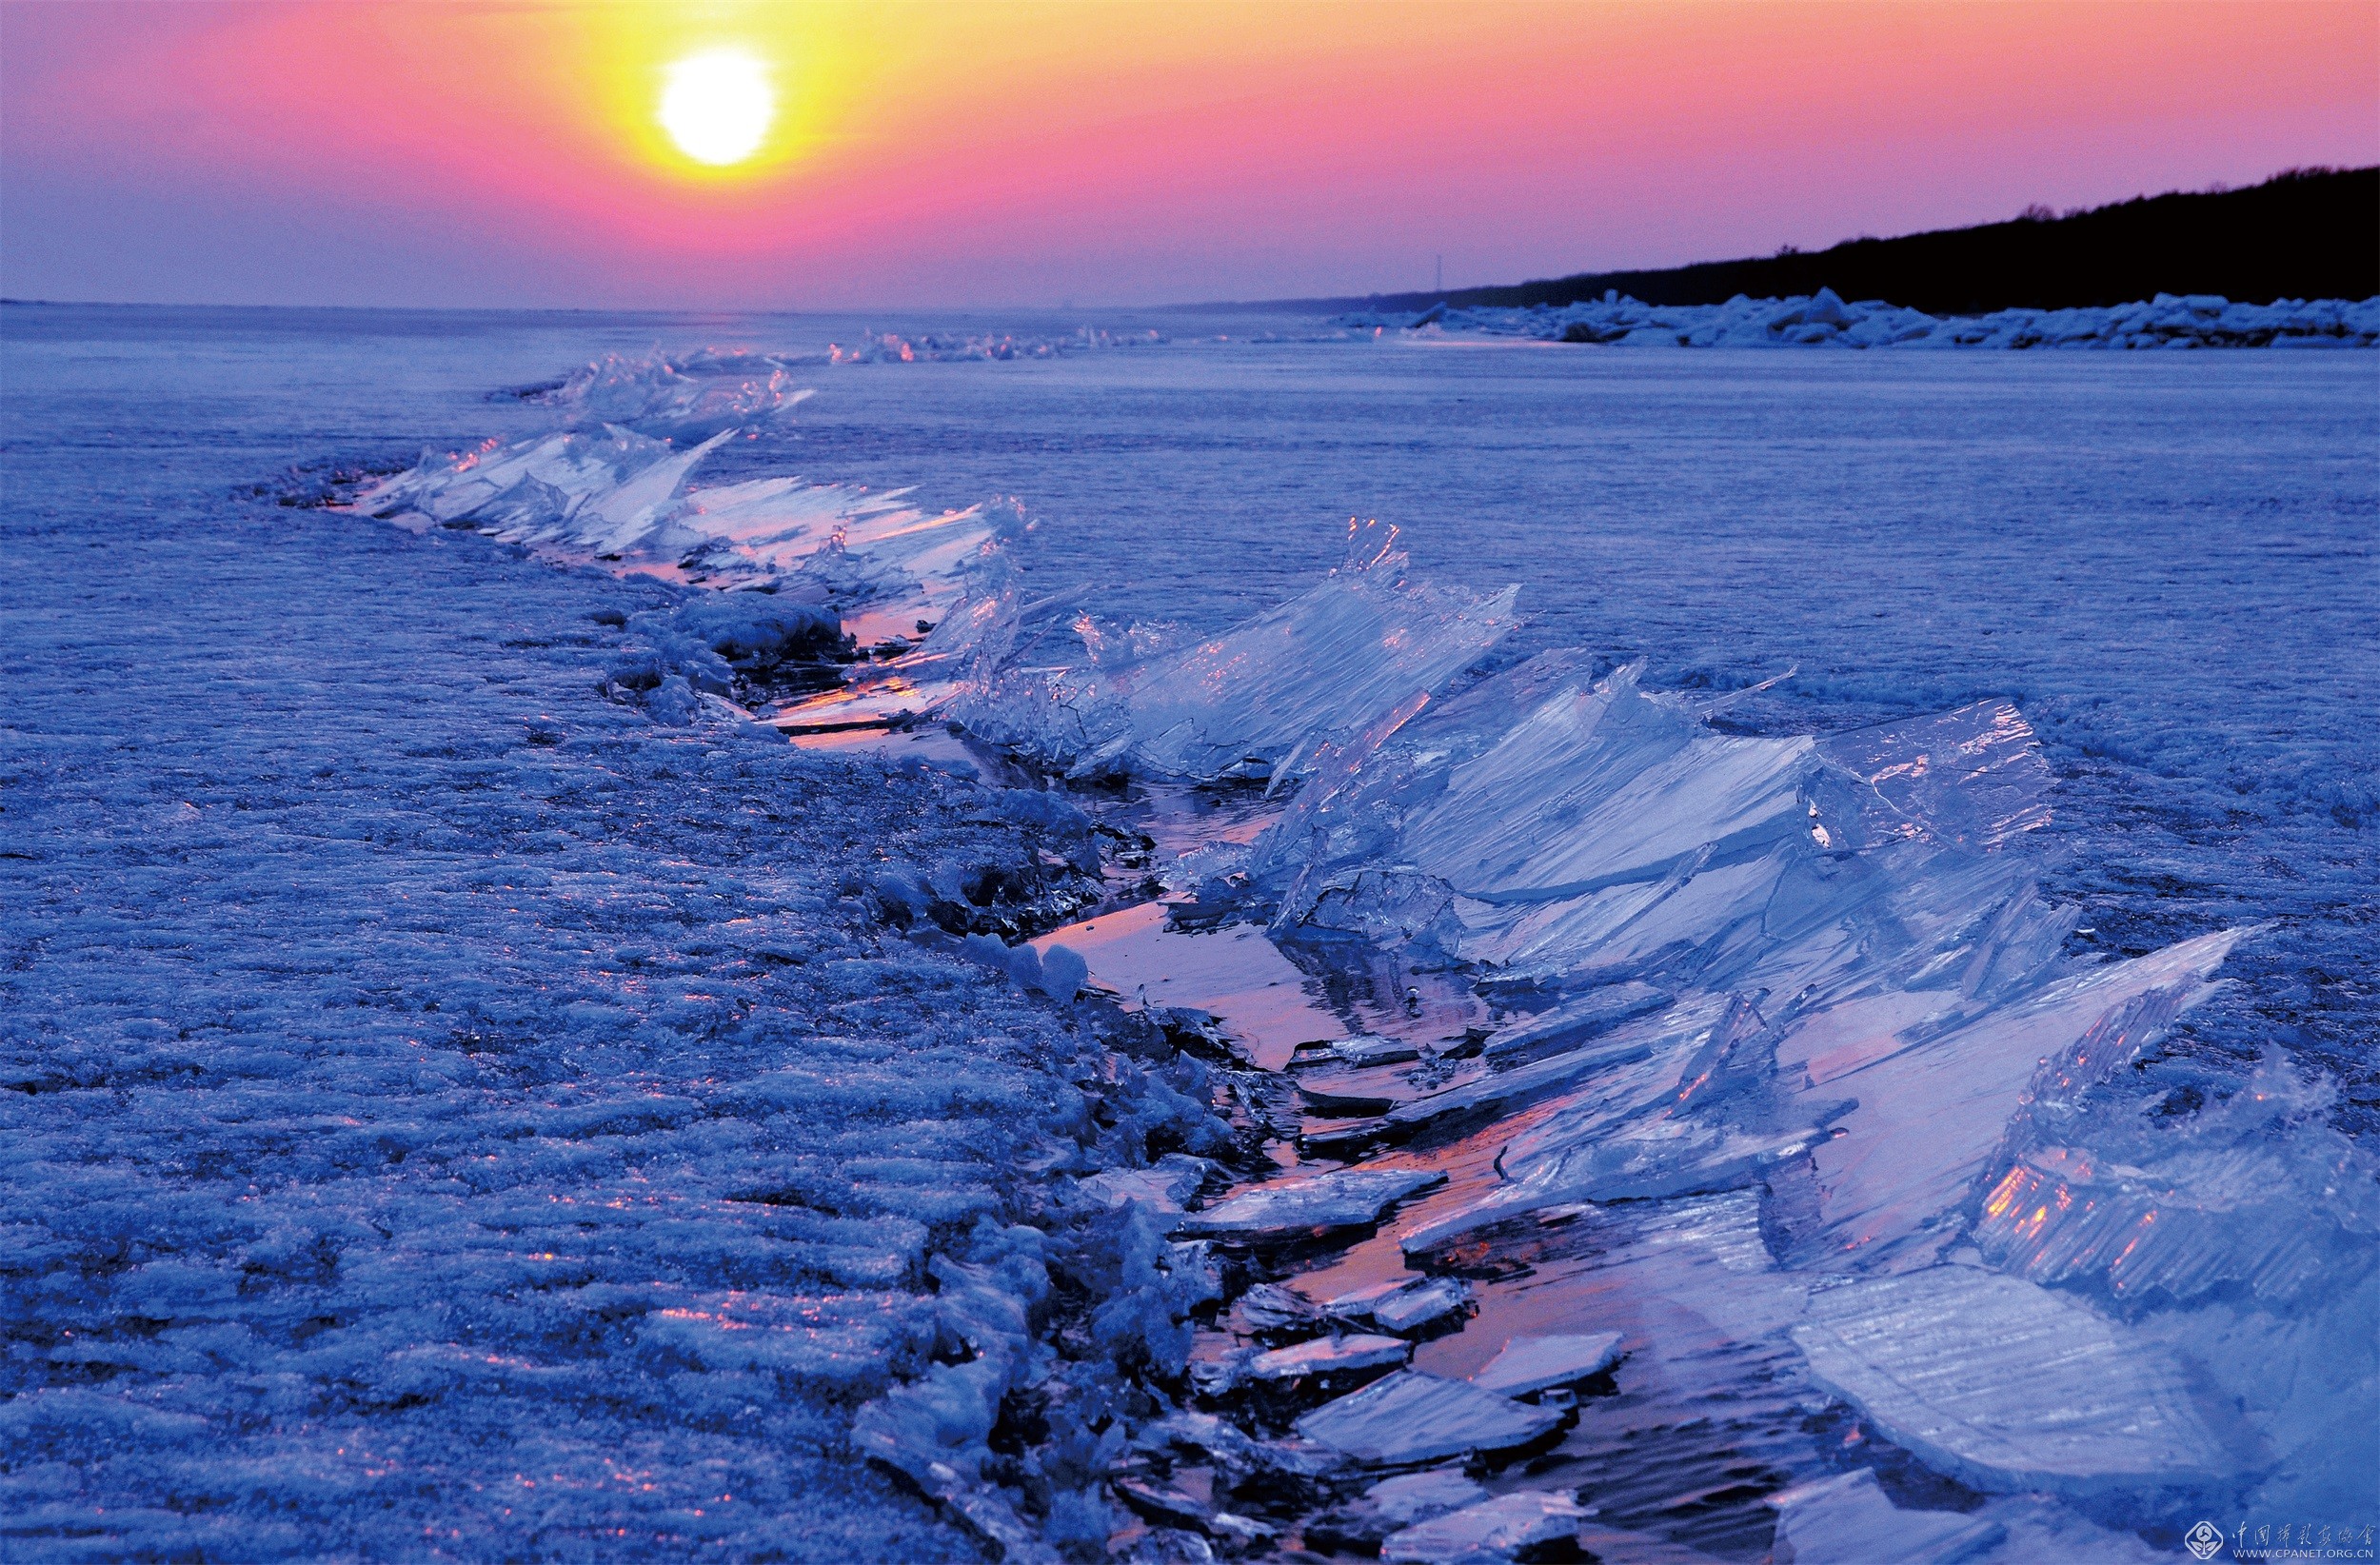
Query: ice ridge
(1793, 1001)
(1824, 320)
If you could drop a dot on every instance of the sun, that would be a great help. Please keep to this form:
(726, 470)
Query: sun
(716, 105)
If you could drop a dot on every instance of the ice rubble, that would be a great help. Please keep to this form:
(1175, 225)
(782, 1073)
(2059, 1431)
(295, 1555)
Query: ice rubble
(1825, 320)
(1807, 974)
(612, 486)
(1810, 973)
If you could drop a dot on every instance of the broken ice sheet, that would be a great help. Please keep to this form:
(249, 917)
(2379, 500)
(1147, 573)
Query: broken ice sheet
(1251, 700)
(1531, 1364)
(1410, 1497)
(1412, 1417)
(1328, 1355)
(1164, 1186)
(1600, 789)
(2007, 1386)
(1405, 1304)
(1500, 1528)
(1574, 1021)
(1973, 777)
(1312, 1205)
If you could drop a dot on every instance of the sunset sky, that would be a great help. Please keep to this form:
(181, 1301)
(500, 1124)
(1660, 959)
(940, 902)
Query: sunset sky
(1032, 154)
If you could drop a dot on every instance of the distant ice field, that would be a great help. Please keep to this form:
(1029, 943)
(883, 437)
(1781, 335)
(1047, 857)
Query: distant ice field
(2168, 560)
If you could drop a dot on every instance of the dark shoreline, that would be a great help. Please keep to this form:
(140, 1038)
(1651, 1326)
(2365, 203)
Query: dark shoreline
(2312, 233)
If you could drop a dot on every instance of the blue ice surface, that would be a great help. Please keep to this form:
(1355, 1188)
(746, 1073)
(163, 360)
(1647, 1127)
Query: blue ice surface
(2168, 561)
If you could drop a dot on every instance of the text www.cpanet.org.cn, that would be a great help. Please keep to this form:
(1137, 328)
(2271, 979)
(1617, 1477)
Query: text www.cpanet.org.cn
(2282, 1541)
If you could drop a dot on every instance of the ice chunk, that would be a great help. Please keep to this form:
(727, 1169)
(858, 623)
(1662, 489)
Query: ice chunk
(1846, 1520)
(1972, 777)
(1932, 1099)
(1531, 1364)
(1411, 1496)
(1405, 1304)
(1269, 1307)
(1315, 1204)
(1328, 1356)
(1164, 1186)
(1361, 1052)
(1412, 1417)
(2007, 1386)
(1362, 1525)
(1250, 702)
(1493, 1529)
(1375, 1090)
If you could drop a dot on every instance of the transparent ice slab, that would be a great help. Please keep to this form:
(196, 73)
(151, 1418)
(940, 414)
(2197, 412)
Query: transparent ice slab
(2008, 1386)
(1323, 668)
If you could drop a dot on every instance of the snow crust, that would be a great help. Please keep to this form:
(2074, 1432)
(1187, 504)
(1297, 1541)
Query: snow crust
(1825, 320)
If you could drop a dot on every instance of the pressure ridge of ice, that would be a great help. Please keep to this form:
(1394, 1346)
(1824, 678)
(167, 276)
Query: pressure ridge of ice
(1809, 979)
(1814, 970)
(1825, 319)
(613, 484)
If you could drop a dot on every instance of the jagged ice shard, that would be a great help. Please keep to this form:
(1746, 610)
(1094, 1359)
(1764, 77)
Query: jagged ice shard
(1256, 699)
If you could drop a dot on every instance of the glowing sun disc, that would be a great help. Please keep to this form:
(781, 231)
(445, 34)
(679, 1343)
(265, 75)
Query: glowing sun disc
(717, 105)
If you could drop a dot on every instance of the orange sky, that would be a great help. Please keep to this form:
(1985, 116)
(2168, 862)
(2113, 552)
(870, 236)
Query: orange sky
(984, 154)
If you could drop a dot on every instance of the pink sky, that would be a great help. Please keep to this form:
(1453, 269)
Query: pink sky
(987, 155)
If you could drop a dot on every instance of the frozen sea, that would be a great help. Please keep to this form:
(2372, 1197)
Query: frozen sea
(324, 863)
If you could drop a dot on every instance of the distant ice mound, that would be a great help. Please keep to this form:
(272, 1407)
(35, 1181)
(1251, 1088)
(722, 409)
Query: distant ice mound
(1824, 320)
(940, 348)
(684, 396)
